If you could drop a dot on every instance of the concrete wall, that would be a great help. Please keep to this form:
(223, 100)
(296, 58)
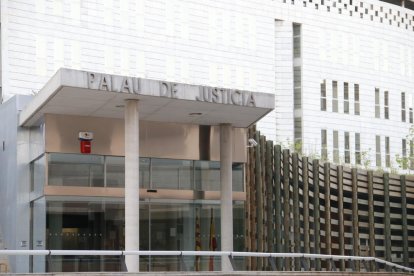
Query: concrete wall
(14, 182)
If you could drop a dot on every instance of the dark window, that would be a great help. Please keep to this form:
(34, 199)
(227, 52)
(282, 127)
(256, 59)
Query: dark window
(346, 146)
(377, 103)
(378, 151)
(334, 96)
(357, 148)
(324, 144)
(346, 98)
(386, 105)
(387, 152)
(403, 114)
(356, 99)
(323, 95)
(335, 146)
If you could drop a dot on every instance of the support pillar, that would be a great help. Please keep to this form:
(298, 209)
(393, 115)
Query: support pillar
(286, 208)
(132, 183)
(371, 217)
(328, 228)
(387, 219)
(316, 213)
(406, 259)
(226, 150)
(278, 203)
(296, 209)
(341, 217)
(269, 191)
(355, 217)
(306, 225)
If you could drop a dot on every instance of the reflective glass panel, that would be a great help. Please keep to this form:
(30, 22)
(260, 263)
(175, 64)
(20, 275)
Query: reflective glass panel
(207, 175)
(38, 175)
(171, 174)
(76, 170)
(115, 172)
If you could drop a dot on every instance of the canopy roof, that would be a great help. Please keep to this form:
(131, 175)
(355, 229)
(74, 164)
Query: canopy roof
(74, 92)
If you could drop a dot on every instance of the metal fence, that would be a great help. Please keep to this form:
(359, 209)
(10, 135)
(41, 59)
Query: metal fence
(269, 258)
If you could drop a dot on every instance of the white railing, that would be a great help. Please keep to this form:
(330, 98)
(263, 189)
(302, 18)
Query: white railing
(229, 254)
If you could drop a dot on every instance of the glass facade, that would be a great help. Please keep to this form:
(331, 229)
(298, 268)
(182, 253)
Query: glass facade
(164, 225)
(155, 173)
(91, 222)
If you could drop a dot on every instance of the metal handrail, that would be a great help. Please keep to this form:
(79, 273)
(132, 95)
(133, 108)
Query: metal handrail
(230, 254)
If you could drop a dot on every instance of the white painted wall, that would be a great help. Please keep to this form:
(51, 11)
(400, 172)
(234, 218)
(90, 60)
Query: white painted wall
(226, 44)
(350, 49)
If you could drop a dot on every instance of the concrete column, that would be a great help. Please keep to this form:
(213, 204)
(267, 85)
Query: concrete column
(132, 183)
(387, 219)
(226, 149)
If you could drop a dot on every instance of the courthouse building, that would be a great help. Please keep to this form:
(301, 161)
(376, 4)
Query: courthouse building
(334, 77)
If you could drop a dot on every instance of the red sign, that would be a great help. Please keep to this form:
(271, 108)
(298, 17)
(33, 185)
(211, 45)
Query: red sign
(85, 146)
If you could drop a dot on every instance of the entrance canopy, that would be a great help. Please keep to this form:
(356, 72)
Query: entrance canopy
(81, 93)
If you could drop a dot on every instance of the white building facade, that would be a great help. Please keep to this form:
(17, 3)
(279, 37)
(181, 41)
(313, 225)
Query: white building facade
(342, 71)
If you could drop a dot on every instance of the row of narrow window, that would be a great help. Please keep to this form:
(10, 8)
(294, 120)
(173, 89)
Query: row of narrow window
(335, 102)
(335, 146)
(346, 102)
(406, 161)
(386, 107)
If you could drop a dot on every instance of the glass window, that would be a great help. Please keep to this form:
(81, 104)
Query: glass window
(207, 176)
(154, 173)
(411, 115)
(356, 99)
(335, 146)
(386, 105)
(334, 96)
(404, 153)
(378, 151)
(323, 95)
(324, 140)
(38, 175)
(377, 103)
(164, 225)
(357, 148)
(238, 177)
(171, 174)
(297, 87)
(88, 225)
(404, 147)
(403, 114)
(115, 172)
(346, 146)
(76, 170)
(296, 41)
(346, 98)
(298, 133)
(387, 152)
